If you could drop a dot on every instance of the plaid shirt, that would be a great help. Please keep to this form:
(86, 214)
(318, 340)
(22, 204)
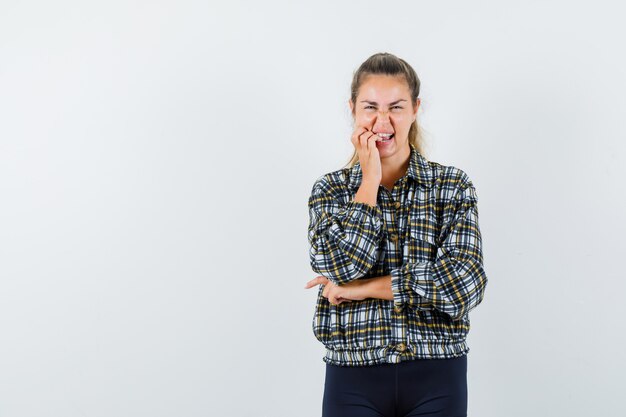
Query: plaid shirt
(425, 234)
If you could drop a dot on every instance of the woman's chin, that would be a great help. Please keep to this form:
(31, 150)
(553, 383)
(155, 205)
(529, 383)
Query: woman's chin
(389, 149)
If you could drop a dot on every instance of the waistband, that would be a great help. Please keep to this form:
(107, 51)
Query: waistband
(426, 349)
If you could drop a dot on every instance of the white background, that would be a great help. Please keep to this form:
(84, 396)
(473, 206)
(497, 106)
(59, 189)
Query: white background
(155, 164)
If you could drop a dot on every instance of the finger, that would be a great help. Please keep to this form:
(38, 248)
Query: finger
(323, 279)
(365, 138)
(333, 296)
(320, 279)
(359, 131)
(329, 289)
(371, 144)
(365, 135)
(356, 138)
(312, 282)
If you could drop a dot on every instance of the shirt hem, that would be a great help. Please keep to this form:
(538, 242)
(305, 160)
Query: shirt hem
(428, 349)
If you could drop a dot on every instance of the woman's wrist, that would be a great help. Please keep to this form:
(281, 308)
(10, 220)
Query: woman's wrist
(380, 287)
(367, 193)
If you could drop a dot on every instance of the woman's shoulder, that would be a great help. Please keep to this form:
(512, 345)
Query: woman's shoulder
(452, 184)
(338, 179)
(450, 176)
(457, 176)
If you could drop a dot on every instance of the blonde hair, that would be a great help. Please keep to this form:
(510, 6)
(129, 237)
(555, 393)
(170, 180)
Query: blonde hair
(384, 63)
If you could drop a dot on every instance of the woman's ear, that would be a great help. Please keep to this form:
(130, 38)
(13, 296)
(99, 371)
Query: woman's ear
(351, 105)
(416, 108)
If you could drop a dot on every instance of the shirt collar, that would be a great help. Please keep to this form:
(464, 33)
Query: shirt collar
(419, 170)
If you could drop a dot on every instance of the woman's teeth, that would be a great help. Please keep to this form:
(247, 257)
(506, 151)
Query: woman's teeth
(385, 137)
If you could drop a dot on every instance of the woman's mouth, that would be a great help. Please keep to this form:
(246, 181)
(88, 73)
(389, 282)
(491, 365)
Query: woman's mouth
(385, 137)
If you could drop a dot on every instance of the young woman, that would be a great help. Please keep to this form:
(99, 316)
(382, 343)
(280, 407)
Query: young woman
(396, 243)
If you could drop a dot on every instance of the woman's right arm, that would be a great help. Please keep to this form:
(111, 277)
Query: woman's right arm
(344, 238)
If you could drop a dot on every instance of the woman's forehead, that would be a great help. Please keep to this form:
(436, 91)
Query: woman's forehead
(384, 85)
(383, 94)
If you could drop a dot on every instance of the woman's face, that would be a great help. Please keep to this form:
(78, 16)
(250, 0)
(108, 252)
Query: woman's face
(384, 106)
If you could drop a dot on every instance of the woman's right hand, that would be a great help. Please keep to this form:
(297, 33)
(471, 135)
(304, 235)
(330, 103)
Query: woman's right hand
(364, 141)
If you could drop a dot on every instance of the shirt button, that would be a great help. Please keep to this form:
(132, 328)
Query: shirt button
(397, 309)
(401, 347)
(397, 204)
(393, 236)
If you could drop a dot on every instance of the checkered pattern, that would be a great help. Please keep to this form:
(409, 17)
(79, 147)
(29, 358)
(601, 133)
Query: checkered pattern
(424, 233)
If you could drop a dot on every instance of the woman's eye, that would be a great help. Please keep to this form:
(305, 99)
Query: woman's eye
(393, 107)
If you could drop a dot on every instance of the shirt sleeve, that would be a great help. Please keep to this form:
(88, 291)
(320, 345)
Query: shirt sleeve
(343, 238)
(454, 283)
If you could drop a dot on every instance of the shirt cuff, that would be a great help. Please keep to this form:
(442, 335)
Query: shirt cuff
(405, 284)
(360, 211)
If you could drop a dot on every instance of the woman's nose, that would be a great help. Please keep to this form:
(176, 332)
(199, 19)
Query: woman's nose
(382, 118)
(383, 115)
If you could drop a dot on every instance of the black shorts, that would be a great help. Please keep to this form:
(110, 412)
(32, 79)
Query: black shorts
(433, 387)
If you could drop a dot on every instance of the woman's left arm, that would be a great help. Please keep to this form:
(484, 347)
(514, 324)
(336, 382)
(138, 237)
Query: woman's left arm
(454, 283)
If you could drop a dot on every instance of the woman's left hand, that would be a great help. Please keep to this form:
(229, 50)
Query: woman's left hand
(337, 294)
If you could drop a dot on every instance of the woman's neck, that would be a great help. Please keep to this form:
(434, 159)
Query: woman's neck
(395, 167)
